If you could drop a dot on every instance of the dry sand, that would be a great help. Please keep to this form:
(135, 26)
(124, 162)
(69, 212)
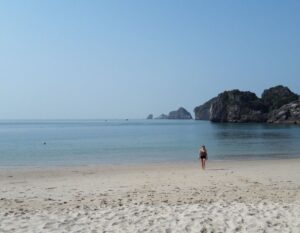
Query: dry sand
(240, 196)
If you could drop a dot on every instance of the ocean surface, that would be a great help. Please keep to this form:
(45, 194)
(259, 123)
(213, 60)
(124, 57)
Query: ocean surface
(87, 142)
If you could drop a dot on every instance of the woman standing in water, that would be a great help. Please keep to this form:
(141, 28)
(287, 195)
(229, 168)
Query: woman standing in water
(203, 156)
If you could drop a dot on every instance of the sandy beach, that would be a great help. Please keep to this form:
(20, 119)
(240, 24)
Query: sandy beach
(230, 196)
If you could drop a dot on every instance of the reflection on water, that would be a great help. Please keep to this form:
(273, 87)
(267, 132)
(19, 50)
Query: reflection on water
(232, 135)
(257, 140)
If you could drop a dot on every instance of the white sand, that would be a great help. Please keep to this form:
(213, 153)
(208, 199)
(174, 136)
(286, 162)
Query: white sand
(248, 196)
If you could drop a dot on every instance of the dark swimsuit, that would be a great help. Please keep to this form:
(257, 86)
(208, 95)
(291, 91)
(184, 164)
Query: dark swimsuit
(203, 155)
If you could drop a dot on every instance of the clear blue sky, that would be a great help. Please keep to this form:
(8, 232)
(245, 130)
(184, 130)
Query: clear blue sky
(125, 59)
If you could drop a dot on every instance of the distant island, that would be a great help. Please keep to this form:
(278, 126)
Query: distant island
(179, 114)
(276, 105)
(150, 117)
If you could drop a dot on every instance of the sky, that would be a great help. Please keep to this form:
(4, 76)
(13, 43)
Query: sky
(126, 59)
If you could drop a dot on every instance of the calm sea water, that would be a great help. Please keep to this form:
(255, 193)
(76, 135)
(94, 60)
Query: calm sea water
(83, 142)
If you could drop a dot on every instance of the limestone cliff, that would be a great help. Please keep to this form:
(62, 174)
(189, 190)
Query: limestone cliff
(238, 106)
(277, 105)
(202, 112)
(278, 96)
(180, 114)
(288, 114)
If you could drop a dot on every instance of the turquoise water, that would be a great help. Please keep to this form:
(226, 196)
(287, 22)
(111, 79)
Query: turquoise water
(83, 142)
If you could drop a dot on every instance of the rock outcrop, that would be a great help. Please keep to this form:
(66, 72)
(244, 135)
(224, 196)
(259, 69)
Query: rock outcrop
(238, 106)
(162, 117)
(202, 112)
(180, 114)
(288, 113)
(150, 117)
(278, 96)
(277, 105)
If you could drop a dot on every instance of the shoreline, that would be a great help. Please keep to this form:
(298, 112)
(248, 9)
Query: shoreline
(144, 164)
(230, 196)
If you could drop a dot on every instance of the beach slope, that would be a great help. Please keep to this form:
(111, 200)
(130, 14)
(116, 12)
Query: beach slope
(230, 196)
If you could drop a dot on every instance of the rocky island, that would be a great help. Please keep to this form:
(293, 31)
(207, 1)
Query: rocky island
(276, 105)
(150, 117)
(288, 113)
(162, 117)
(179, 114)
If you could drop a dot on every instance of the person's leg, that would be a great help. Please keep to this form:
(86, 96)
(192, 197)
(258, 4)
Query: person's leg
(202, 163)
(204, 160)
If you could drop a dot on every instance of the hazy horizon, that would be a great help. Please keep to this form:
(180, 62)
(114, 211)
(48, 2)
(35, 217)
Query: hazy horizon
(118, 60)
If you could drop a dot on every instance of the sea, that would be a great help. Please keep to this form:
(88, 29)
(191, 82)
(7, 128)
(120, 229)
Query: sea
(126, 141)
